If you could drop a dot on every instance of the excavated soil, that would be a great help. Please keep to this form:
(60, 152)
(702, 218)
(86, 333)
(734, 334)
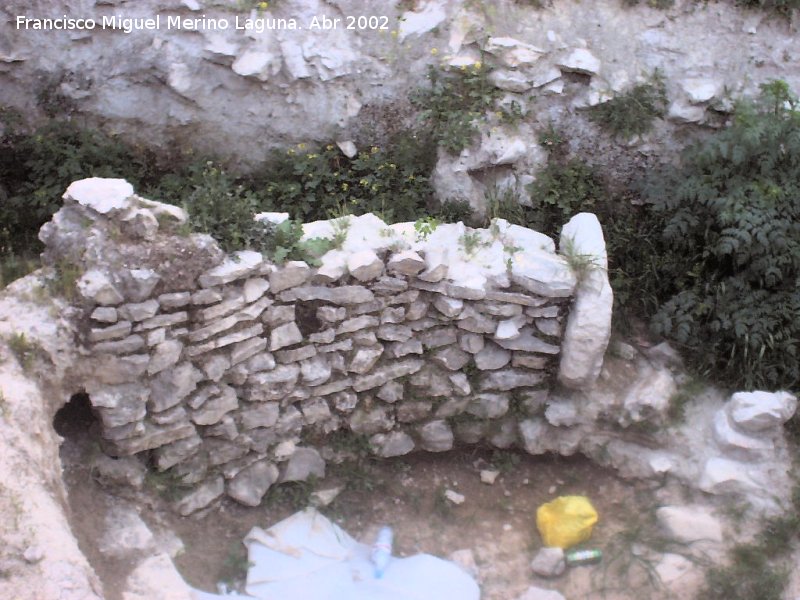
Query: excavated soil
(496, 522)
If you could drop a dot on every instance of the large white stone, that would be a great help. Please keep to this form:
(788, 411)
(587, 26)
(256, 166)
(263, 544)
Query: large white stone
(364, 265)
(580, 60)
(700, 89)
(431, 16)
(100, 194)
(589, 323)
(237, 266)
(759, 411)
(724, 476)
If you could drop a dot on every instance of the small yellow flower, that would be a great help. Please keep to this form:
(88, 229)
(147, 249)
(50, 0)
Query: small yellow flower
(434, 51)
(478, 65)
(392, 166)
(290, 151)
(345, 187)
(394, 33)
(311, 156)
(364, 182)
(463, 67)
(374, 149)
(263, 5)
(329, 147)
(301, 146)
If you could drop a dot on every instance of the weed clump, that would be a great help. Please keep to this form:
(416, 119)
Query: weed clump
(633, 112)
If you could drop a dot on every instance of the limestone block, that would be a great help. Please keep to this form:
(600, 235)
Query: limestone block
(171, 416)
(102, 195)
(471, 342)
(492, 357)
(152, 437)
(127, 471)
(511, 81)
(451, 357)
(139, 311)
(399, 349)
(513, 52)
(166, 320)
(589, 323)
(391, 391)
(121, 404)
(105, 314)
(333, 267)
(315, 370)
(292, 274)
(174, 300)
(724, 476)
(121, 369)
(155, 577)
(528, 342)
(247, 349)
(232, 303)
(389, 285)
(345, 401)
(315, 410)
(206, 296)
(760, 411)
(499, 309)
(343, 295)
(364, 265)
(430, 16)
(543, 274)
(370, 421)
(365, 358)
(431, 381)
(260, 415)
(112, 332)
(684, 113)
(285, 335)
(216, 407)
(394, 333)
(304, 463)
(407, 262)
(165, 354)
(452, 407)
(97, 287)
(436, 338)
(170, 387)
(436, 436)
(296, 354)
(169, 455)
(507, 330)
(331, 314)
(138, 284)
(393, 315)
(387, 445)
(239, 265)
(549, 562)
(508, 379)
(738, 444)
(488, 406)
(250, 484)
(460, 383)
(700, 89)
(449, 307)
(579, 60)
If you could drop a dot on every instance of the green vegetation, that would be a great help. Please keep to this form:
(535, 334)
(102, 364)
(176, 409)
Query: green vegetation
(730, 249)
(24, 349)
(758, 569)
(453, 103)
(424, 227)
(633, 112)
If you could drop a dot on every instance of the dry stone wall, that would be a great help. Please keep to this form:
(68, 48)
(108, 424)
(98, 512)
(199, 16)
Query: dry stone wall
(235, 373)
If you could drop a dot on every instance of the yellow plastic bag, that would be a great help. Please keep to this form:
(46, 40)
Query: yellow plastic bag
(566, 521)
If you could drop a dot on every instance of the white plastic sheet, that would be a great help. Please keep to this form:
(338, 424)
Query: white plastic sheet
(306, 557)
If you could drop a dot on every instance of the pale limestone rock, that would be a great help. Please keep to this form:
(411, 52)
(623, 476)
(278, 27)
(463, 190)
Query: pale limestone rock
(237, 266)
(689, 524)
(543, 273)
(216, 407)
(170, 387)
(105, 314)
(169, 455)
(290, 275)
(304, 463)
(285, 335)
(368, 422)
(315, 410)
(103, 196)
(391, 391)
(365, 358)
(528, 342)
(431, 15)
(96, 286)
(165, 354)
(685, 113)
(549, 562)
(436, 436)
(201, 496)
(511, 81)
(406, 262)
(471, 342)
(700, 89)
(508, 379)
(255, 288)
(588, 327)
(507, 330)
(348, 148)
(315, 370)
(259, 415)
(451, 357)
(364, 265)
(257, 63)
(250, 485)
(394, 333)
(387, 445)
(344, 295)
(579, 60)
(138, 311)
(333, 267)
(449, 307)
(760, 411)
(488, 406)
(492, 357)
(454, 497)
(331, 314)
(736, 443)
(115, 331)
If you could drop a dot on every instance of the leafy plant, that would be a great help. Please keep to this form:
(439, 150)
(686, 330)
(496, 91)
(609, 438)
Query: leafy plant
(454, 211)
(424, 227)
(454, 101)
(732, 243)
(633, 112)
(282, 242)
(471, 241)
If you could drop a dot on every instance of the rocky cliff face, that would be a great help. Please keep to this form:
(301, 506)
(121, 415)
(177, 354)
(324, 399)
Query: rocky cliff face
(240, 92)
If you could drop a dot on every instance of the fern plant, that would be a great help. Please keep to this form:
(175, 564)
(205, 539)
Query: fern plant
(732, 230)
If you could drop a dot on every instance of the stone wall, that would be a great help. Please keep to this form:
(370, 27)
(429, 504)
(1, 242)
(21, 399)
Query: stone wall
(235, 373)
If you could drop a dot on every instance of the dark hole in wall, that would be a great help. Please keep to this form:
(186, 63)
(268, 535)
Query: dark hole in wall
(306, 317)
(76, 418)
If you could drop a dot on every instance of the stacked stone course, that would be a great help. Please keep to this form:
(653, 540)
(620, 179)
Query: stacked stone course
(234, 383)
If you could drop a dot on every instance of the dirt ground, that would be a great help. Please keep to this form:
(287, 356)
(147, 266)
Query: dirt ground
(495, 522)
